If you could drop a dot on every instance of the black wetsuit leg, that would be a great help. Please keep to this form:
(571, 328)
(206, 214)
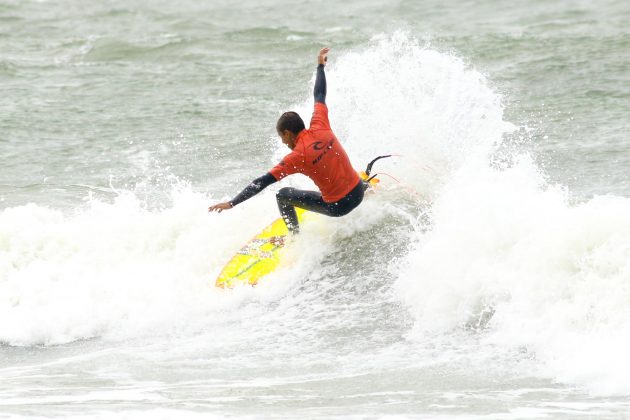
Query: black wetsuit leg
(290, 198)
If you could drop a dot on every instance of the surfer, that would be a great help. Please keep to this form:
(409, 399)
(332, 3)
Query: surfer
(315, 152)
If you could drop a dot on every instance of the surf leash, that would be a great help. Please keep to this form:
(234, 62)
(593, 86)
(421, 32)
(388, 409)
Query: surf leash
(368, 170)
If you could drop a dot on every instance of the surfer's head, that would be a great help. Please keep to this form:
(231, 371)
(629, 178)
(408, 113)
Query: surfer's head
(289, 125)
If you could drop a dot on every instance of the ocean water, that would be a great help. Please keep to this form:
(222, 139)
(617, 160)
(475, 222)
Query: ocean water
(489, 277)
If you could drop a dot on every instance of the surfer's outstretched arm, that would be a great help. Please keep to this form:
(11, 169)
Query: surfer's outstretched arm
(319, 92)
(251, 190)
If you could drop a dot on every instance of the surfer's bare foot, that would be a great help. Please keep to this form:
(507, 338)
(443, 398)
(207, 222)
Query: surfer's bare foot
(277, 240)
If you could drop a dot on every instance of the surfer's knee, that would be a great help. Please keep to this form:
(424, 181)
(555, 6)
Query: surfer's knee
(284, 193)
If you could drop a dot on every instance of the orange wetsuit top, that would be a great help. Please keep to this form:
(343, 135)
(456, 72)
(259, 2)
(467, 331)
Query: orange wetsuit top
(319, 155)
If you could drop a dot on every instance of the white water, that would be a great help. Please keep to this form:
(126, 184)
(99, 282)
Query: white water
(499, 239)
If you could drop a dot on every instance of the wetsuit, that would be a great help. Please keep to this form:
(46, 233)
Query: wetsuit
(319, 155)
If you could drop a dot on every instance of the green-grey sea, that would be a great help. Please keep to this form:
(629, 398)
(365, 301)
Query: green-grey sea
(488, 276)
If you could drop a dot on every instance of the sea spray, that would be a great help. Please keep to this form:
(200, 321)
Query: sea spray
(111, 269)
(506, 247)
(399, 96)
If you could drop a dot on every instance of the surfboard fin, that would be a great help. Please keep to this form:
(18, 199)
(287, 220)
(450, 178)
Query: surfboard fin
(368, 169)
(365, 175)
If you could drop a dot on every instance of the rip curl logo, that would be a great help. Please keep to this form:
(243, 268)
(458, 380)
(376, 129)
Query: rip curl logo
(319, 145)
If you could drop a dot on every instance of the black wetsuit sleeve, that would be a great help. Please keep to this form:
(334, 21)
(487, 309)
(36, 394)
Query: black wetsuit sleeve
(253, 188)
(320, 85)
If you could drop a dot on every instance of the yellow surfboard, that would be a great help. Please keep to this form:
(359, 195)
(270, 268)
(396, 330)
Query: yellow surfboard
(262, 254)
(259, 257)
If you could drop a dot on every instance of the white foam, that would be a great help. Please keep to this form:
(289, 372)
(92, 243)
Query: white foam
(556, 275)
(119, 270)
(399, 96)
(114, 269)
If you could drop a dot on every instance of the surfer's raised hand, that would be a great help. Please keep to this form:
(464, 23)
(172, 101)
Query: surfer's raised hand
(220, 207)
(323, 56)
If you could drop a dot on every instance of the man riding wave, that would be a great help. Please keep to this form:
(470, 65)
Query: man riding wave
(315, 152)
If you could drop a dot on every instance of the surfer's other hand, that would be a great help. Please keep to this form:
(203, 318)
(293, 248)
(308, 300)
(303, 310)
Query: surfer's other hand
(323, 56)
(220, 207)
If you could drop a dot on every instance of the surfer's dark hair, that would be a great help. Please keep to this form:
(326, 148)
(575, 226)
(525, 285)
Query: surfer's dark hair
(290, 121)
